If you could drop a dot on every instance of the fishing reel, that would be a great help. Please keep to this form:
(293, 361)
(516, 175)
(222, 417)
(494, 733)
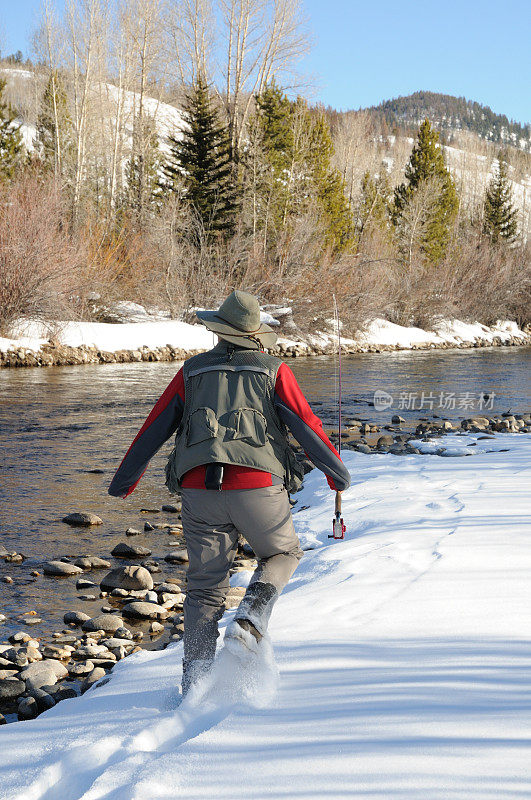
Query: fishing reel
(338, 527)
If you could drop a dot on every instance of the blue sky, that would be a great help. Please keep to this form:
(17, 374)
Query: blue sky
(365, 52)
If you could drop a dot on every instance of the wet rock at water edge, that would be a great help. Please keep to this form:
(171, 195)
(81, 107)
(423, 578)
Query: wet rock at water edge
(177, 557)
(132, 578)
(60, 568)
(42, 698)
(103, 622)
(75, 618)
(84, 583)
(43, 673)
(148, 526)
(171, 509)
(132, 532)
(80, 669)
(20, 637)
(92, 562)
(124, 550)
(141, 610)
(82, 519)
(3, 551)
(397, 420)
(7, 579)
(14, 558)
(156, 628)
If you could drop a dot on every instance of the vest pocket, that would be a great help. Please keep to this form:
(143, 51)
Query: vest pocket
(202, 425)
(248, 424)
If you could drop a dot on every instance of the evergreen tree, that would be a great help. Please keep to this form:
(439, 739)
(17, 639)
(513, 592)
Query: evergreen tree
(297, 148)
(54, 126)
(499, 220)
(426, 164)
(11, 143)
(201, 159)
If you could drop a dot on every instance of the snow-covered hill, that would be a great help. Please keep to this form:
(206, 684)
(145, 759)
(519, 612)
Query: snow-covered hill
(403, 652)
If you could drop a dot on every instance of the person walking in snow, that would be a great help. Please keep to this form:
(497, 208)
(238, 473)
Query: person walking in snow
(231, 409)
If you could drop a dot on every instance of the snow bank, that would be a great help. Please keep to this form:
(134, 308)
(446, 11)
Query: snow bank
(403, 651)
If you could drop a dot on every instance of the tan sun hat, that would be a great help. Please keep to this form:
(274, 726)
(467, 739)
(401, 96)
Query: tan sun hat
(238, 321)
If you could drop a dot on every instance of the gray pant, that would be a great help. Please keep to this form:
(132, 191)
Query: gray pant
(211, 523)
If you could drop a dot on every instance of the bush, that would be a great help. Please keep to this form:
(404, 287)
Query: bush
(40, 266)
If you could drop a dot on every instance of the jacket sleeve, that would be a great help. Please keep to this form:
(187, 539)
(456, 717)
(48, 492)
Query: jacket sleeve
(293, 409)
(162, 422)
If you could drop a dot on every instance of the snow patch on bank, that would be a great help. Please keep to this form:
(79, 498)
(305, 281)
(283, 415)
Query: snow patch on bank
(403, 652)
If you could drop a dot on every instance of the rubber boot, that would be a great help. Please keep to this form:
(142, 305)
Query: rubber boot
(193, 672)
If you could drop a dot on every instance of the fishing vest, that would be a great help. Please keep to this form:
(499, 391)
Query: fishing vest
(229, 417)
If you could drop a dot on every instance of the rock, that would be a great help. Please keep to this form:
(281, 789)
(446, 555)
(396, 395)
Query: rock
(14, 558)
(156, 627)
(27, 708)
(19, 637)
(168, 588)
(139, 610)
(75, 618)
(151, 597)
(117, 641)
(31, 620)
(3, 551)
(7, 579)
(133, 578)
(132, 532)
(92, 562)
(64, 693)
(87, 597)
(60, 568)
(397, 419)
(93, 677)
(41, 673)
(56, 651)
(43, 699)
(148, 526)
(103, 622)
(81, 669)
(177, 557)
(123, 633)
(124, 550)
(11, 688)
(171, 509)
(385, 441)
(149, 510)
(83, 583)
(82, 519)
(363, 448)
(8, 673)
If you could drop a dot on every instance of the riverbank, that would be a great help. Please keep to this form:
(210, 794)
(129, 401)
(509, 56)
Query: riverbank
(77, 343)
(403, 657)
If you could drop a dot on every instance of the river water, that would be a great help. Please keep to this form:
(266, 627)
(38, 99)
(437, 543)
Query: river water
(57, 424)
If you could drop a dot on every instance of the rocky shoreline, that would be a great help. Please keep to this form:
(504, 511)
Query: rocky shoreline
(52, 354)
(141, 607)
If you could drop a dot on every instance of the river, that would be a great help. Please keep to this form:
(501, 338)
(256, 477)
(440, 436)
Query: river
(56, 424)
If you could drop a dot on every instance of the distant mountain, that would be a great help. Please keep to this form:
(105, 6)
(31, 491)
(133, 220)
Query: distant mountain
(449, 113)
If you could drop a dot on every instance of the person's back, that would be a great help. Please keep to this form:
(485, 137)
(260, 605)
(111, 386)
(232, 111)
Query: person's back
(231, 409)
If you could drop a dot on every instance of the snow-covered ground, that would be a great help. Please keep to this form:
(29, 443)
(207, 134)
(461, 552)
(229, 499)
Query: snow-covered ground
(404, 656)
(153, 330)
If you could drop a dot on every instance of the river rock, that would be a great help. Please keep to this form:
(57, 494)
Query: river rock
(92, 562)
(56, 651)
(103, 622)
(82, 519)
(124, 550)
(168, 587)
(20, 637)
(81, 669)
(132, 532)
(148, 526)
(27, 708)
(11, 688)
(385, 441)
(177, 557)
(3, 551)
(75, 618)
(140, 610)
(155, 627)
(170, 509)
(8, 673)
(60, 568)
(93, 677)
(133, 578)
(397, 419)
(42, 698)
(83, 583)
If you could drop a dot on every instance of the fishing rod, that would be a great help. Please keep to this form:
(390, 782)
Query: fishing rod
(338, 526)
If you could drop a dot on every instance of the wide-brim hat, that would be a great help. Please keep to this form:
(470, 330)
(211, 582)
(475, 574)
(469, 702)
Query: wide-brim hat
(238, 321)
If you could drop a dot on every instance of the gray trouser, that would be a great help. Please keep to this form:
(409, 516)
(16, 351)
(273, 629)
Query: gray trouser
(212, 521)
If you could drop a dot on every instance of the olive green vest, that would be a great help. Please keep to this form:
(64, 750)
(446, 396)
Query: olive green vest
(229, 417)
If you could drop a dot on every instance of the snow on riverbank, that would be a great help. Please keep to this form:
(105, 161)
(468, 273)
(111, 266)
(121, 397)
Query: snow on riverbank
(155, 332)
(404, 658)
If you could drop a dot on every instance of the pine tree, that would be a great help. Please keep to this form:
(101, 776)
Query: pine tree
(54, 126)
(201, 159)
(499, 220)
(426, 164)
(297, 148)
(11, 143)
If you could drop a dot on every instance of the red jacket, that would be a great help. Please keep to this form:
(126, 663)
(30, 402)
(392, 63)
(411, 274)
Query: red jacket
(292, 408)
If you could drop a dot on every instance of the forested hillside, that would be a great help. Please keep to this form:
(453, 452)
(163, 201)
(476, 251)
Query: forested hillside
(451, 114)
(151, 166)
